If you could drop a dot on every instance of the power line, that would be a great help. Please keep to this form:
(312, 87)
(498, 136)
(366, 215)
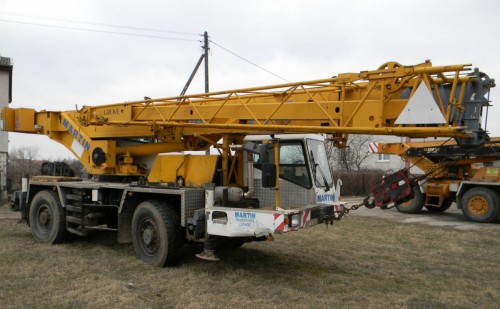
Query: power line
(98, 31)
(122, 33)
(100, 24)
(254, 64)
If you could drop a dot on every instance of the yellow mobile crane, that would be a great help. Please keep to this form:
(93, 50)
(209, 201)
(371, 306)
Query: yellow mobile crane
(271, 175)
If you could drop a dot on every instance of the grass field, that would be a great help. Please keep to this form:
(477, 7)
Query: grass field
(357, 263)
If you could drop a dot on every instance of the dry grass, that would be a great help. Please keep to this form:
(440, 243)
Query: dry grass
(357, 263)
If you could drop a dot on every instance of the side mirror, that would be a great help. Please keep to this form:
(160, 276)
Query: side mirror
(266, 153)
(269, 175)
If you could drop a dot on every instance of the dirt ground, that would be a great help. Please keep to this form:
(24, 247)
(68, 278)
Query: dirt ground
(363, 261)
(6, 213)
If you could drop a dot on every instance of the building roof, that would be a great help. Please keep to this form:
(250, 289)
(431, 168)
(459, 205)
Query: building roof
(5, 62)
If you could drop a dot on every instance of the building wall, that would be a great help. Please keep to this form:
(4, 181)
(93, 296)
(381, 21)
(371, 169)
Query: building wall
(387, 163)
(5, 79)
(390, 163)
(3, 175)
(4, 102)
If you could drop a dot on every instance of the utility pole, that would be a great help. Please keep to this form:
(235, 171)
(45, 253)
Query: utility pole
(207, 89)
(203, 56)
(205, 49)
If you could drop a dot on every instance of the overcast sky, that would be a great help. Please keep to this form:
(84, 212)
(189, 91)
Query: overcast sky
(56, 68)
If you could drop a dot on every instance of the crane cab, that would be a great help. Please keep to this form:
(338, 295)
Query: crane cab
(299, 194)
(303, 171)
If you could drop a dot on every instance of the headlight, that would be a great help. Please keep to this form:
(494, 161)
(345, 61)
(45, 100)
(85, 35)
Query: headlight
(295, 220)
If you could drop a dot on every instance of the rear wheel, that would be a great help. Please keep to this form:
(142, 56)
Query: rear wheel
(46, 218)
(445, 206)
(414, 205)
(481, 204)
(156, 233)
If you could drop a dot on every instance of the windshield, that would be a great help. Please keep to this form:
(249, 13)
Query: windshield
(321, 170)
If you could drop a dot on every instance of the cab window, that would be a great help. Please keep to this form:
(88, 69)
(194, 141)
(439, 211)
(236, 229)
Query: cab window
(292, 164)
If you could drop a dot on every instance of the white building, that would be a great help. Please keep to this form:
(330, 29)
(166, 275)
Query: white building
(5, 99)
(391, 163)
(385, 162)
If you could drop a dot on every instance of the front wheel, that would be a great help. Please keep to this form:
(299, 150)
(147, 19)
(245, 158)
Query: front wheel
(156, 233)
(481, 204)
(46, 218)
(414, 205)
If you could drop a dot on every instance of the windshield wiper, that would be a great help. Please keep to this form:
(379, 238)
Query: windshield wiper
(313, 163)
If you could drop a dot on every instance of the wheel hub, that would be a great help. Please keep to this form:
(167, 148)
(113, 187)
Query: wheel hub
(407, 203)
(44, 217)
(147, 236)
(478, 205)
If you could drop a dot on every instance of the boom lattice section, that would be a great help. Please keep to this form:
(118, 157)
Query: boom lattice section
(369, 102)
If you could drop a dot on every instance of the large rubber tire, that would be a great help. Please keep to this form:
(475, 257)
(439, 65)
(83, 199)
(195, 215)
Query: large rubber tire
(414, 205)
(47, 218)
(156, 233)
(481, 205)
(444, 207)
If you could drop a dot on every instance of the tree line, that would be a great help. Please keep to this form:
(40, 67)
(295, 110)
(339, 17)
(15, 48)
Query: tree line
(25, 160)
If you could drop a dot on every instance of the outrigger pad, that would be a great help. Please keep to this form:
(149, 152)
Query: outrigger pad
(208, 255)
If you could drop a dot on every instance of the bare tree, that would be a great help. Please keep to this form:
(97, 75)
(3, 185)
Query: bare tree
(353, 156)
(23, 160)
